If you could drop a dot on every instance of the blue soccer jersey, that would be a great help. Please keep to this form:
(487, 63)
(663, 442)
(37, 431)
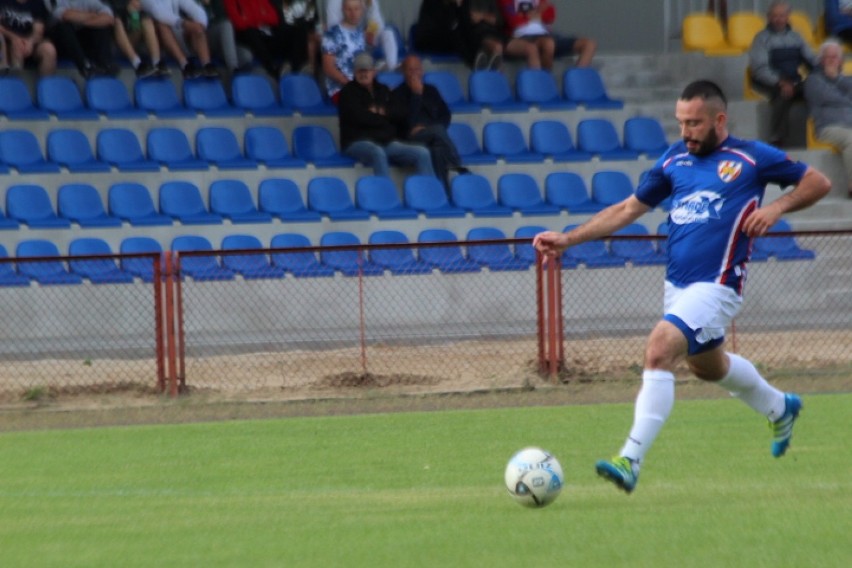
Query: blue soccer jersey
(712, 196)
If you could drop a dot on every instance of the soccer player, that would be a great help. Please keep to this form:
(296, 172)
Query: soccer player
(717, 183)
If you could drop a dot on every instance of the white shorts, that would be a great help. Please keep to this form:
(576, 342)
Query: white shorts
(702, 311)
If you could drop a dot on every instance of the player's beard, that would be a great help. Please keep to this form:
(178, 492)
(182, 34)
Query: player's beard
(706, 146)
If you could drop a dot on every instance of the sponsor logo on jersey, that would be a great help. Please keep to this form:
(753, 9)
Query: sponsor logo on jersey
(729, 170)
(698, 207)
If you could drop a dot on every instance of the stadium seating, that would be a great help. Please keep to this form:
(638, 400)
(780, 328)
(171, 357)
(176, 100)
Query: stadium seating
(110, 97)
(379, 196)
(801, 22)
(98, 271)
(525, 251)
(400, 260)
(60, 96)
(141, 266)
(742, 26)
(316, 145)
(497, 256)
(170, 147)
(646, 136)
(219, 146)
(467, 145)
(300, 264)
(301, 94)
(182, 201)
(491, 89)
(473, 193)
(611, 187)
(593, 254)
(506, 141)
(132, 203)
(662, 244)
(521, 193)
(207, 97)
(451, 91)
(428, 195)
(8, 275)
(200, 267)
(16, 102)
(599, 137)
(21, 150)
(584, 86)
(390, 79)
(249, 266)
(703, 32)
(349, 261)
(7, 223)
(255, 95)
(70, 149)
(282, 198)
(267, 145)
(813, 142)
(446, 258)
(537, 88)
(120, 148)
(782, 248)
(82, 204)
(568, 191)
(45, 272)
(30, 205)
(160, 97)
(232, 199)
(553, 140)
(330, 197)
(639, 252)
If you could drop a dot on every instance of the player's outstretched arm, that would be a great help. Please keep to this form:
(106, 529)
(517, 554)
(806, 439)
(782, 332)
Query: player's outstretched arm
(811, 188)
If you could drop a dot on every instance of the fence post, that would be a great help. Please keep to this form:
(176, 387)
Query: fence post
(170, 322)
(550, 334)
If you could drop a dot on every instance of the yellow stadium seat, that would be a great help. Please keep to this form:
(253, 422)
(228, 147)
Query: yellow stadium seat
(703, 32)
(801, 22)
(815, 143)
(847, 67)
(749, 92)
(742, 27)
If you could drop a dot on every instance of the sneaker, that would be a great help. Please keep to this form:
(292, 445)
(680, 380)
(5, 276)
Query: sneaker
(622, 471)
(495, 62)
(782, 429)
(480, 62)
(190, 71)
(145, 70)
(163, 69)
(210, 71)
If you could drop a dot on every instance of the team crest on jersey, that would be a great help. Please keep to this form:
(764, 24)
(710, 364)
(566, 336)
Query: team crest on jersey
(729, 170)
(698, 207)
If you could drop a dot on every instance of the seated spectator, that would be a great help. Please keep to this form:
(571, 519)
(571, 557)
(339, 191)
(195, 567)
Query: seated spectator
(528, 28)
(222, 39)
(303, 14)
(838, 19)
(468, 28)
(368, 129)
(424, 118)
(82, 31)
(22, 24)
(438, 28)
(339, 45)
(482, 28)
(260, 27)
(829, 95)
(182, 23)
(134, 30)
(775, 56)
(373, 24)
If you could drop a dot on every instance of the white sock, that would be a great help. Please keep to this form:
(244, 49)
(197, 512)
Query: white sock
(744, 382)
(653, 405)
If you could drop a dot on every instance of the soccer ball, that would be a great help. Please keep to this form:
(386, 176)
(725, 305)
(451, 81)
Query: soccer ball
(534, 477)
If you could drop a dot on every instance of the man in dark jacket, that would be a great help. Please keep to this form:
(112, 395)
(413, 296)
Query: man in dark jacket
(368, 130)
(424, 118)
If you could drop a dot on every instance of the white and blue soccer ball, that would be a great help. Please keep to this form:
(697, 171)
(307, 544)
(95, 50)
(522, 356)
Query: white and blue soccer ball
(534, 477)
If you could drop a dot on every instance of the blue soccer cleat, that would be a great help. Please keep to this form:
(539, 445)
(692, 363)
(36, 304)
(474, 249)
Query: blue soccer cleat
(782, 429)
(623, 472)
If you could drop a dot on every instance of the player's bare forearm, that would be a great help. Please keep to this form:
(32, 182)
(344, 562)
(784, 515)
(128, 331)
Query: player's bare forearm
(811, 188)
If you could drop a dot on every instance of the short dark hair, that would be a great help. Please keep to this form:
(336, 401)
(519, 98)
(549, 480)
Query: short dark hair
(704, 89)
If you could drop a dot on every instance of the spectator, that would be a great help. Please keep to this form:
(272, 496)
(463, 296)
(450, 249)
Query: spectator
(180, 23)
(482, 28)
(368, 130)
(222, 39)
(424, 118)
(303, 14)
(438, 28)
(134, 29)
(829, 95)
(373, 24)
(339, 45)
(22, 23)
(259, 26)
(83, 31)
(528, 28)
(468, 28)
(775, 56)
(838, 19)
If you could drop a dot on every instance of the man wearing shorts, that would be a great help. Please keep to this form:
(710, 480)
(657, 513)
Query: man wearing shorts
(717, 183)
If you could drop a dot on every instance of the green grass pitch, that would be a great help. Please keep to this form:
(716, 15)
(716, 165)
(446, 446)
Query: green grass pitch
(426, 489)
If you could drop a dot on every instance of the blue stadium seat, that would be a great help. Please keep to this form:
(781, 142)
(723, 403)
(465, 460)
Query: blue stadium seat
(267, 145)
(8, 275)
(170, 147)
(98, 271)
(427, 195)
(538, 88)
(506, 141)
(82, 204)
(207, 97)
(301, 264)
(390, 79)
(525, 251)
(316, 145)
(567, 190)
(249, 266)
(232, 199)
(30, 204)
(182, 200)
(379, 52)
(301, 94)
(497, 256)
(70, 148)
(132, 203)
(16, 102)
(473, 193)
(21, 150)
(120, 148)
(398, 260)
(160, 97)
(782, 248)
(584, 86)
(594, 254)
(141, 266)
(611, 187)
(255, 95)
(349, 261)
(553, 139)
(521, 193)
(110, 97)
(282, 198)
(199, 267)
(219, 146)
(330, 196)
(379, 196)
(6, 222)
(645, 135)
(45, 272)
(451, 91)
(640, 252)
(491, 89)
(447, 258)
(598, 136)
(60, 96)
(465, 141)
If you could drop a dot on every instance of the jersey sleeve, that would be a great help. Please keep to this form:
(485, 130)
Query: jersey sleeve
(654, 186)
(775, 166)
